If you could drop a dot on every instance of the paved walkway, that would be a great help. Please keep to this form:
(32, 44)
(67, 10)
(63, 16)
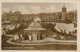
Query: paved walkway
(52, 39)
(43, 42)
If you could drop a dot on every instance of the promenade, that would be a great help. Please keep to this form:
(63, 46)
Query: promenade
(44, 42)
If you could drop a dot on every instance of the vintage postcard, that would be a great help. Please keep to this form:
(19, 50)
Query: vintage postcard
(39, 26)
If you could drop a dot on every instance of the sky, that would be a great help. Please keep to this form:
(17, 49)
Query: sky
(30, 8)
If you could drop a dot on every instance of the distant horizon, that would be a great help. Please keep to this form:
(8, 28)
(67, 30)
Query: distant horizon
(35, 8)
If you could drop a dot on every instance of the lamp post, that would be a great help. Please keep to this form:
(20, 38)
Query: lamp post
(55, 17)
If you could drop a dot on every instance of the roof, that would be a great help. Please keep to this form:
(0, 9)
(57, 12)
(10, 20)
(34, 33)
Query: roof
(35, 26)
(35, 23)
(67, 27)
(37, 19)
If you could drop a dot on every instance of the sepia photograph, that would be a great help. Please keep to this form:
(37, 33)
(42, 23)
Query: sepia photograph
(38, 26)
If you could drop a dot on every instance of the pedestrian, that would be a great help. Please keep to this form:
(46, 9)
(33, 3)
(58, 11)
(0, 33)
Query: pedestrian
(21, 37)
(29, 37)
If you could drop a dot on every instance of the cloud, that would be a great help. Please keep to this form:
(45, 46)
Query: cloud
(22, 9)
(38, 9)
(5, 10)
(30, 9)
(35, 9)
(50, 9)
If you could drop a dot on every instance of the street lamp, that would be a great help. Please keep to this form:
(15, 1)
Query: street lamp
(55, 17)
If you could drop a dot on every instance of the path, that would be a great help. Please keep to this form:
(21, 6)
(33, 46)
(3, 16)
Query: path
(45, 42)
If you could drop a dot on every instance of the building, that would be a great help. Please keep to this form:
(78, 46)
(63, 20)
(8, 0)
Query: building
(14, 17)
(35, 32)
(62, 16)
(64, 9)
(37, 19)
